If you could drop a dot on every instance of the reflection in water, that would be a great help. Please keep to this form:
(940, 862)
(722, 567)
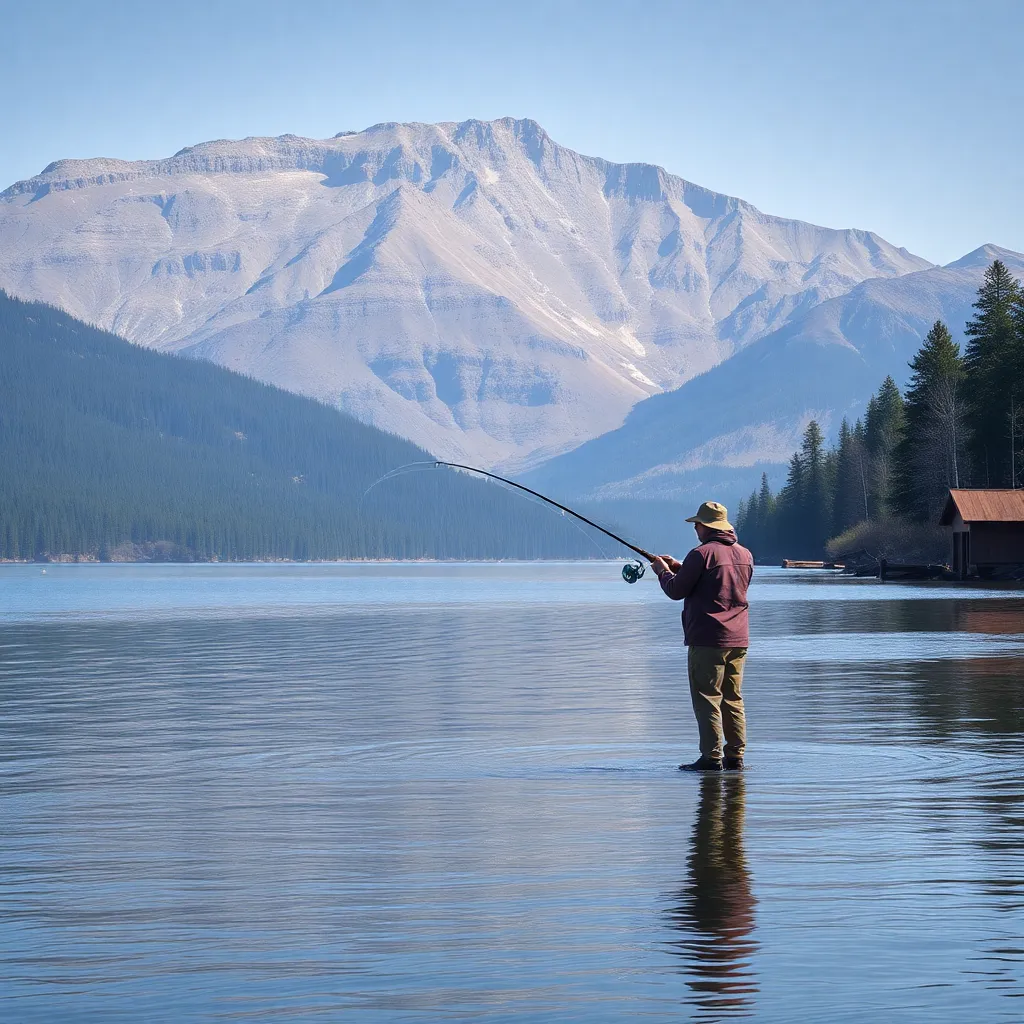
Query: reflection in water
(715, 909)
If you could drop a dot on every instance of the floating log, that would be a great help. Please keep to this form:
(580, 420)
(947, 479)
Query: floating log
(793, 563)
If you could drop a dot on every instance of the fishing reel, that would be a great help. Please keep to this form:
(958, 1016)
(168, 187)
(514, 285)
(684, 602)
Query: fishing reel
(632, 571)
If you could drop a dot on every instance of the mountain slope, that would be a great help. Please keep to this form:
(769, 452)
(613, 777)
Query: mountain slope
(719, 431)
(111, 450)
(474, 287)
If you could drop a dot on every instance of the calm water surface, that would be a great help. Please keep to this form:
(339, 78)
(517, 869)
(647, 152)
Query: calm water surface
(415, 792)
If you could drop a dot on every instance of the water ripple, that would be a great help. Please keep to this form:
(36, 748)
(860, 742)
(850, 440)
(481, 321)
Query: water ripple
(467, 804)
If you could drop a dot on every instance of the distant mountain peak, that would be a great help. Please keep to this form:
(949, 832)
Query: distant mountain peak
(719, 431)
(984, 255)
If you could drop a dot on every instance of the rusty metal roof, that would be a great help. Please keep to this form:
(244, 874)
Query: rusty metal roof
(985, 506)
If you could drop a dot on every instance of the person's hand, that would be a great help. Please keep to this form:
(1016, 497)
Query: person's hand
(659, 565)
(673, 563)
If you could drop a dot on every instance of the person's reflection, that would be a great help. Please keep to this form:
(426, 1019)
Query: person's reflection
(715, 909)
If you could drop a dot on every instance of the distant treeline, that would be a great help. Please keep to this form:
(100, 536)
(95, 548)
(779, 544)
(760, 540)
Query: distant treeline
(112, 451)
(960, 424)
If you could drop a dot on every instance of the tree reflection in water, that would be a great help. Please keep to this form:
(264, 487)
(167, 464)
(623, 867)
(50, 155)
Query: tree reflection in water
(715, 908)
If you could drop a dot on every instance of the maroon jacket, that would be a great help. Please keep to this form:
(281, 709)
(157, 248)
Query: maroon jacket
(713, 583)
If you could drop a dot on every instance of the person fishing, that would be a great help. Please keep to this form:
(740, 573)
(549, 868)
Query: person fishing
(712, 583)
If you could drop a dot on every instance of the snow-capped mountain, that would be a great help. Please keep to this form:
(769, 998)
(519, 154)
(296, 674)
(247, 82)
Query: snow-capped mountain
(714, 436)
(474, 287)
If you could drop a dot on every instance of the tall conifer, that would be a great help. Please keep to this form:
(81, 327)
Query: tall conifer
(930, 458)
(816, 498)
(765, 501)
(1015, 373)
(847, 506)
(993, 380)
(883, 429)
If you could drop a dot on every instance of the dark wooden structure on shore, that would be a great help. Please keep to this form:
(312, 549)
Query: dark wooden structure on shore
(986, 531)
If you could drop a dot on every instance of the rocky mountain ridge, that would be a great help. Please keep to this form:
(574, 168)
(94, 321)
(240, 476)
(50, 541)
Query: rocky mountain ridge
(474, 287)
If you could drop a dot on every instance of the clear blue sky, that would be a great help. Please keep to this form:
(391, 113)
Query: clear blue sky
(902, 117)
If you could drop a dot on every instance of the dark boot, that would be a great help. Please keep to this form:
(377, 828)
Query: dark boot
(702, 764)
(734, 764)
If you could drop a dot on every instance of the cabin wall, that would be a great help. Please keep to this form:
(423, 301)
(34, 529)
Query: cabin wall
(960, 542)
(997, 543)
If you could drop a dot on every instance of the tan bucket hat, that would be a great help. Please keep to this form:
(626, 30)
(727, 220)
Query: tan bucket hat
(712, 515)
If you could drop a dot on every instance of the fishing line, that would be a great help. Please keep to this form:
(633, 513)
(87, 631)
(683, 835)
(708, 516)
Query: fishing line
(631, 572)
(569, 521)
(551, 501)
(410, 467)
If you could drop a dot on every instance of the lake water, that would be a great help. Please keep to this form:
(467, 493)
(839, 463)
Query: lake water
(442, 792)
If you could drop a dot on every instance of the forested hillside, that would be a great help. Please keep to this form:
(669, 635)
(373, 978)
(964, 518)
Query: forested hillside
(881, 488)
(112, 451)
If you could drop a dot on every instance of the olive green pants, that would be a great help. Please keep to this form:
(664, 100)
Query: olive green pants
(716, 680)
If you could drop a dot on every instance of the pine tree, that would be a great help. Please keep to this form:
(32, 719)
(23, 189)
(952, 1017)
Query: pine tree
(789, 507)
(1015, 373)
(994, 385)
(756, 522)
(847, 505)
(765, 507)
(930, 457)
(883, 430)
(816, 498)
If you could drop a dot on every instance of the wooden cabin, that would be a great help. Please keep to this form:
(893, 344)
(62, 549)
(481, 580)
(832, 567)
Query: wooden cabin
(987, 530)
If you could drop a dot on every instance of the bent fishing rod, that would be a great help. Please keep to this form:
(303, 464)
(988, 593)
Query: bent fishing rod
(630, 573)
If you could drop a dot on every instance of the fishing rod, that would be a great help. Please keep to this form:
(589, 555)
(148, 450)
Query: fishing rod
(631, 572)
